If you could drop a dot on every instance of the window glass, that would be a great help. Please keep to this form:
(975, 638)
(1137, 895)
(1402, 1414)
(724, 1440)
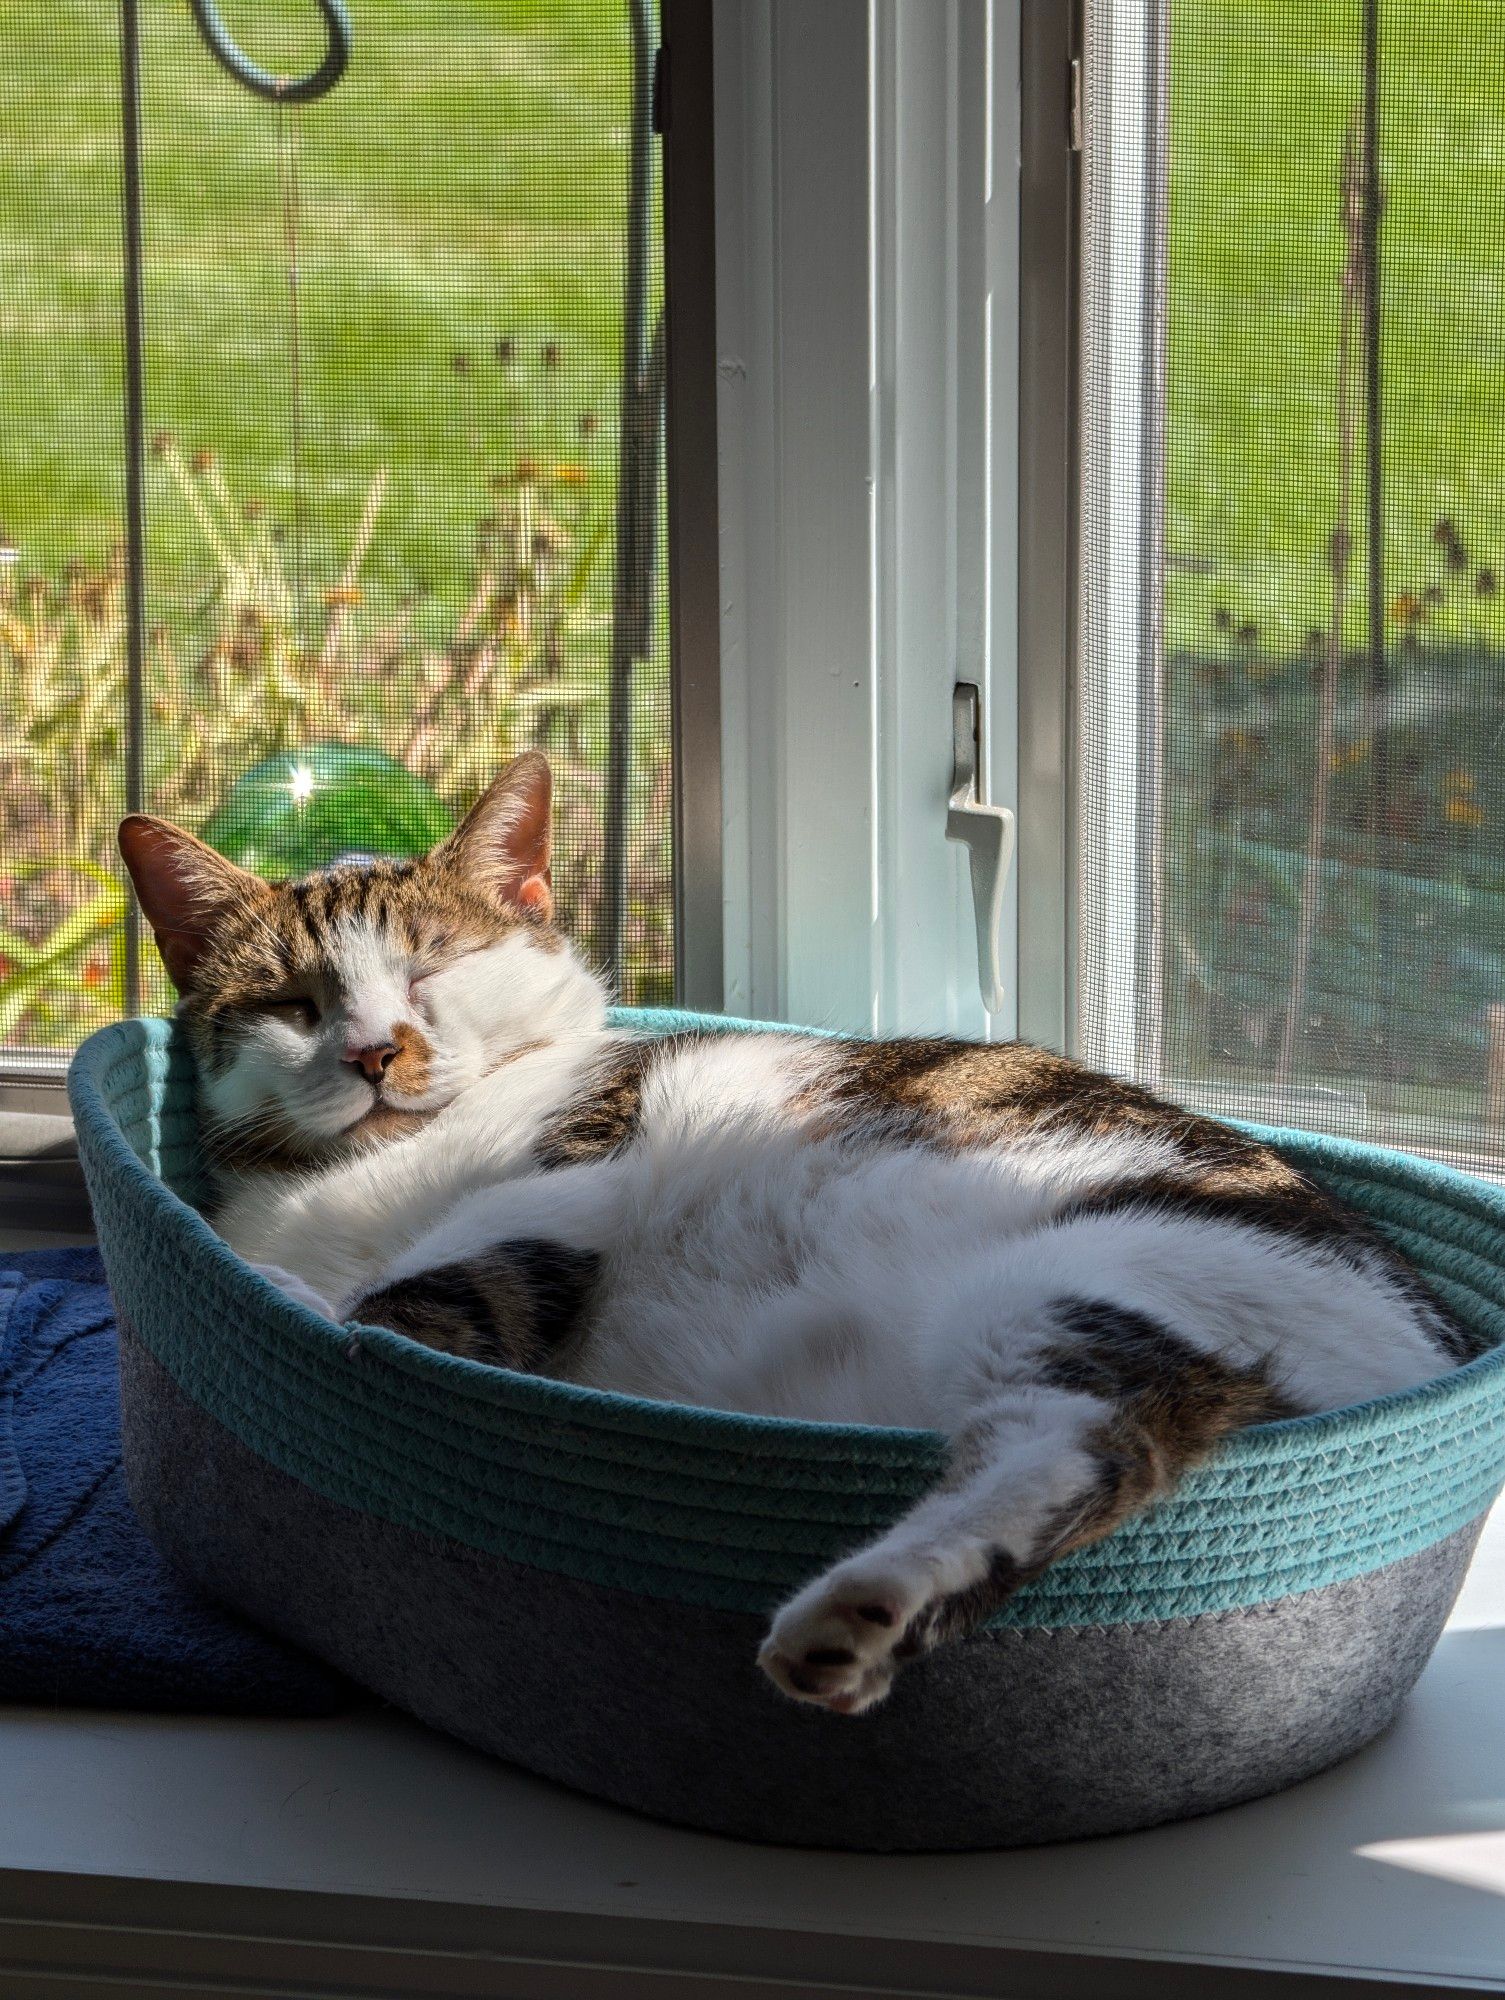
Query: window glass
(384, 363)
(1293, 807)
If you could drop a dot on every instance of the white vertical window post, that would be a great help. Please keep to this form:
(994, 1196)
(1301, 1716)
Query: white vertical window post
(1122, 536)
(867, 284)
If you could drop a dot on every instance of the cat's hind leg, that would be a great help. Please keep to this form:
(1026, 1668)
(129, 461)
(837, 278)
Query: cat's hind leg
(510, 1277)
(518, 1304)
(1018, 1473)
(1109, 1422)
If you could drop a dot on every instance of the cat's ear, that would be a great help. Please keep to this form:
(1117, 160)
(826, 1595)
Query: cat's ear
(185, 888)
(502, 844)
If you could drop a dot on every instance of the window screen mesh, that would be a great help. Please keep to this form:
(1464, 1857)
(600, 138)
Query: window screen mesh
(1293, 732)
(384, 339)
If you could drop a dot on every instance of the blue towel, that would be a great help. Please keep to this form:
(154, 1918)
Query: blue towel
(90, 1614)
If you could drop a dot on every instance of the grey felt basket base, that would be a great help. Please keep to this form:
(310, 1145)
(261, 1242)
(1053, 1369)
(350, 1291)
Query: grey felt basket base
(1010, 1738)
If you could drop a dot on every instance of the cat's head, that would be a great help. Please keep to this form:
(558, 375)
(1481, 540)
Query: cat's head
(349, 1006)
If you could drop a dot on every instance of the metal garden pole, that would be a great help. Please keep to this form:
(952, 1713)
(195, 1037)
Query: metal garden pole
(135, 460)
(281, 90)
(1378, 703)
(631, 622)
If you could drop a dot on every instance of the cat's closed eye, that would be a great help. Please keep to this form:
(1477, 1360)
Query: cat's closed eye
(299, 1012)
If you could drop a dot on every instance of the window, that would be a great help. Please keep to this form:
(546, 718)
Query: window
(867, 280)
(401, 516)
(1292, 797)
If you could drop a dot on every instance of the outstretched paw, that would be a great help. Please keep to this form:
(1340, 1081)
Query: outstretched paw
(290, 1283)
(842, 1640)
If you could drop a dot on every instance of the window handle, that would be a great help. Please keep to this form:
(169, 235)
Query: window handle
(987, 833)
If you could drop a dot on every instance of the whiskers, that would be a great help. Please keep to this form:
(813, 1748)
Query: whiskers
(264, 1137)
(274, 1132)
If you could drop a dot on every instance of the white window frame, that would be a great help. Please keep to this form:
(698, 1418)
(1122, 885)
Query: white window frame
(868, 278)
(1122, 453)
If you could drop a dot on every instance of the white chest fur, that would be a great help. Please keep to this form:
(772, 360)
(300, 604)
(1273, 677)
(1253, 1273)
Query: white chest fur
(341, 1229)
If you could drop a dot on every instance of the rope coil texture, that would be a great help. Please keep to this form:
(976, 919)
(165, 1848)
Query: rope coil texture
(732, 1512)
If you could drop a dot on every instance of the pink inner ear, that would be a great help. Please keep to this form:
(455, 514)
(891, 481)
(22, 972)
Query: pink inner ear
(503, 842)
(184, 888)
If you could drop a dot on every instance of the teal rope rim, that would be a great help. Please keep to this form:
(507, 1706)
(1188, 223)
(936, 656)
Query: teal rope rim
(721, 1509)
(1323, 1155)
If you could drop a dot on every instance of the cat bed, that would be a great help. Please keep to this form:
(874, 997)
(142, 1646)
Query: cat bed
(578, 1582)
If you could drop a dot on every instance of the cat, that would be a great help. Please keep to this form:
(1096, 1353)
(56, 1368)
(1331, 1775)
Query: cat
(418, 1117)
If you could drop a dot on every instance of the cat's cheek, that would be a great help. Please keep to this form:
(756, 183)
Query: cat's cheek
(458, 1051)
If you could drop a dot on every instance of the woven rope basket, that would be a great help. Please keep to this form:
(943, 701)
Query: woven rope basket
(577, 1581)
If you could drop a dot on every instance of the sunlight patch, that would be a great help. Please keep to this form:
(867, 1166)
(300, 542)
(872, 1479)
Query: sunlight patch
(1477, 1860)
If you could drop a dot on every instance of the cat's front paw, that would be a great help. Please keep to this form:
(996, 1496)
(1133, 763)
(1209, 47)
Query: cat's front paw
(842, 1640)
(305, 1295)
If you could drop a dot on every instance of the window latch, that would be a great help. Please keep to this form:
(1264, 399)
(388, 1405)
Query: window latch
(987, 833)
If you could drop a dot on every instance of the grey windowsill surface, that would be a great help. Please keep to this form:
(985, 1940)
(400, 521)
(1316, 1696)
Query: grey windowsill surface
(42, 1200)
(153, 1854)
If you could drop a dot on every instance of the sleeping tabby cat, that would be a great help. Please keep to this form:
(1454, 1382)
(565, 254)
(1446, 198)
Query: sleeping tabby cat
(420, 1119)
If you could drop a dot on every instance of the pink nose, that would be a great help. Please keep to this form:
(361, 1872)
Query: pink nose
(371, 1061)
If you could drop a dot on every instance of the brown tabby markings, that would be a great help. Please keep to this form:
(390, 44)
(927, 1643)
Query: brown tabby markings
(272, 945)
(1172, 1405)
(968, 1095)
(1173, 1402)
(603, 1115)
(514, 1306)
(964, 1095)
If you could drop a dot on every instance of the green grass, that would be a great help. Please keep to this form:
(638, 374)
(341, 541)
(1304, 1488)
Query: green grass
(466, 182)
(460, 251)
(1262, 93)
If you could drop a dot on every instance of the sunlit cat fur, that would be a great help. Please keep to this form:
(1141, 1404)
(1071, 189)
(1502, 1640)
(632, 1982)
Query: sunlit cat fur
(419, 1118)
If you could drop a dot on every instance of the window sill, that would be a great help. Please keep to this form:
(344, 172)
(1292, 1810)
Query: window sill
(366, 1852)
(147, 1854)
(42, 1200)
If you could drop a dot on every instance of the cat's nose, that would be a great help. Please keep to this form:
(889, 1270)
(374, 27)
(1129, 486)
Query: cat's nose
(372, 1060)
